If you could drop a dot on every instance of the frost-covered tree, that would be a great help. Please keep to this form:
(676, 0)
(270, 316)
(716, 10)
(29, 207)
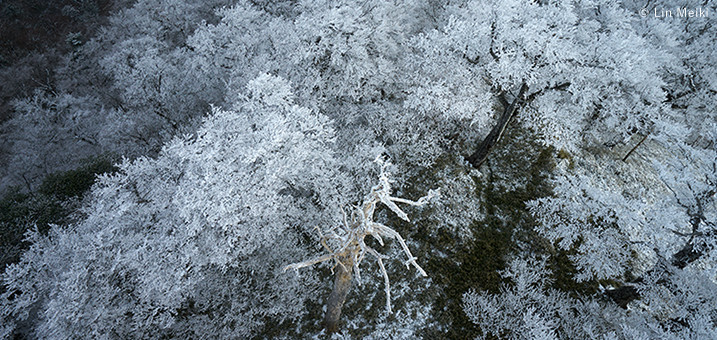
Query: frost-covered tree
(553, 65)
(527, 308)
(187, 244)
(654, 195)
(634, 197)
(135, 76)
(177, 244)
(346, 247)
(160, 89)
(344, 58)
(643, 208)
(691, 86)
(56, 130)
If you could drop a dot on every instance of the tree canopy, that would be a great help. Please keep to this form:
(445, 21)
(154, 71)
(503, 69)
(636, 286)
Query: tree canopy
(574, 145)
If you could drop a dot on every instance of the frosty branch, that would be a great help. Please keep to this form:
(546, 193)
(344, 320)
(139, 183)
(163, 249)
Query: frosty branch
(349, 246)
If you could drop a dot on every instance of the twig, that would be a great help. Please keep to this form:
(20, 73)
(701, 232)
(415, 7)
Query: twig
(624, 159)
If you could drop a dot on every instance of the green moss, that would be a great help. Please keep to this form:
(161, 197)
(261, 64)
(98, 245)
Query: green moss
(563, 276)
(476, 267)
(517, 172)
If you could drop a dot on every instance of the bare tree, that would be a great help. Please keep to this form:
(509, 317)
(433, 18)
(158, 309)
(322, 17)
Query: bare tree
(349, 248)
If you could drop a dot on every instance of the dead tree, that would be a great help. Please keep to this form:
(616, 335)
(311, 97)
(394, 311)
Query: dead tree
(346, 247)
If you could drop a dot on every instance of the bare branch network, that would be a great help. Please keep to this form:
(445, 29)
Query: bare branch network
(352, 248)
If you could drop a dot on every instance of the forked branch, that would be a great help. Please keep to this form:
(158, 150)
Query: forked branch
(351, 248)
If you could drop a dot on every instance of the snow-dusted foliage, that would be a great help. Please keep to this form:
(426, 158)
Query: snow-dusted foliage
(134, 79)
(527, 308)
(247, 123)
(645, 222)
(346, 58)
(691, 89)
(185, 244)
(588, 72)
(646, 208)
(47, 128)
(622, 210)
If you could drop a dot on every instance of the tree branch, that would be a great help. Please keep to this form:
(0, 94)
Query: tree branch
(480, 155)
(624, 159)
(351, 248)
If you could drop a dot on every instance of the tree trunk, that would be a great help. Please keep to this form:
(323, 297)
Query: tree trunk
(478, 157)
(342, 283)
